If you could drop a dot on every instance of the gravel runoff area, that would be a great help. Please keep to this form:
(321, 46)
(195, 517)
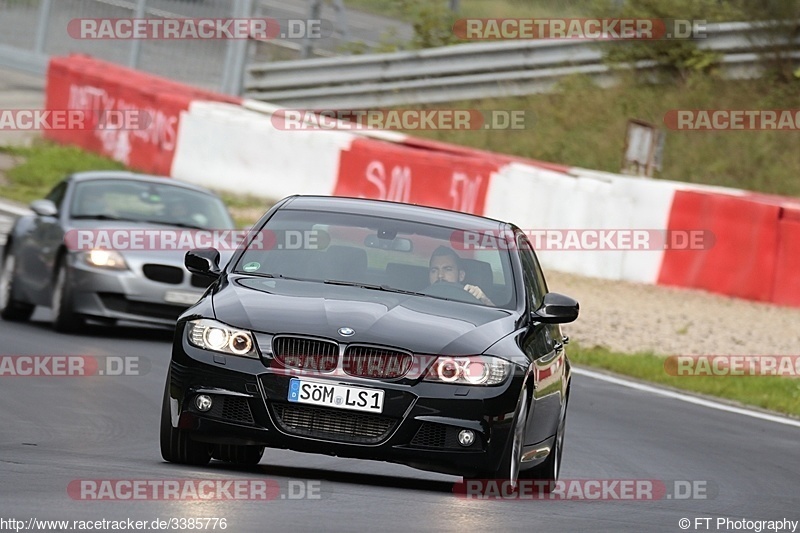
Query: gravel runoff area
(633, 317)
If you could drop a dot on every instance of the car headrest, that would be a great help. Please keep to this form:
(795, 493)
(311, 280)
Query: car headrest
(478, 273)
(407, 277)
(345, 263)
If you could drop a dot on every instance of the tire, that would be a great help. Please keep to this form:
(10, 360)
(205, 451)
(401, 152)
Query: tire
(509, 468)
(176, 445)
(65, 320)
(11, 309)
(550, 468)
(238, 454)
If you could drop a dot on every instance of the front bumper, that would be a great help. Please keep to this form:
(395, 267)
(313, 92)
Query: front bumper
(130, 295)
(418, 426)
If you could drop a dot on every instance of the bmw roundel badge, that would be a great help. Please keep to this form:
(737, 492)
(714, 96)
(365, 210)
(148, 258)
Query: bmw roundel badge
(347, 332)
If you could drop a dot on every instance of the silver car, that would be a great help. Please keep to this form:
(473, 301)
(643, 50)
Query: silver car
(110, 246)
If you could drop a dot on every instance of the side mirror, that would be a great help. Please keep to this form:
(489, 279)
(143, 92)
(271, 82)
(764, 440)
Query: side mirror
(44, 208)
(204, 262)
(557, 309)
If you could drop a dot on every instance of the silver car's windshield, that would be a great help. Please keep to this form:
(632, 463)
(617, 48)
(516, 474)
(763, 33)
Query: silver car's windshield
(380, 254)
(141, 201)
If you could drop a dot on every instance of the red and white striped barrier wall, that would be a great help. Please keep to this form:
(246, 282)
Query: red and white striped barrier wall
(225, 143)
(223, 146)
(82, 83)
(540, 199)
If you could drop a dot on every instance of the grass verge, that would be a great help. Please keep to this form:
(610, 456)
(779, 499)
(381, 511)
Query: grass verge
(43, 165)
(583, 125)
(779, 394)
(40, 167)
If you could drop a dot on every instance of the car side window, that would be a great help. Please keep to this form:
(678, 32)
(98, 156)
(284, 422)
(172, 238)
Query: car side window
(57, 194)
(534, 279)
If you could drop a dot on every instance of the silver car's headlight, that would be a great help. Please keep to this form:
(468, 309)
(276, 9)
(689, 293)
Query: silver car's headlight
(105, 259)
(471, 370)
(215, 336)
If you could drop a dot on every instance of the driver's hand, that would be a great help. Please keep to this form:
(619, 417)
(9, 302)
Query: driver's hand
(478, 293)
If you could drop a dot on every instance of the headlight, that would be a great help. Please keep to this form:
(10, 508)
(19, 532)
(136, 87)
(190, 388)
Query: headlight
(217, 337)
(105, 259)
(472, 370)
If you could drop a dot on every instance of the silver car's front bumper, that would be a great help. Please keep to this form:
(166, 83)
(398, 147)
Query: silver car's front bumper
(154, 289)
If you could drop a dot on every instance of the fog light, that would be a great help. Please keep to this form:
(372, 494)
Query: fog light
(203, 403)
(466, 437)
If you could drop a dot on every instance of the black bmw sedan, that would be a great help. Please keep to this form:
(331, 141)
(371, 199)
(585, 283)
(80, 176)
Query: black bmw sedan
(373, 330)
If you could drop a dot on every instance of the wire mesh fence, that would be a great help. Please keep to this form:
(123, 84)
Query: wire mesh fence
(42, 26)
(37, 29)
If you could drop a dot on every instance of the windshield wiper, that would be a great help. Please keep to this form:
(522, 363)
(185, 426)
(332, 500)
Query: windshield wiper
(385, 288)
(103, 217)
(176, 224)
(271, 275)
(352, 284)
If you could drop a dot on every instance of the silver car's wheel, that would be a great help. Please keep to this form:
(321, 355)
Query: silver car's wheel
(64, 317)
(10, 308)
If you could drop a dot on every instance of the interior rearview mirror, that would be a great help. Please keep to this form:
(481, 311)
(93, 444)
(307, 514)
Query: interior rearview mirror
(396, 244)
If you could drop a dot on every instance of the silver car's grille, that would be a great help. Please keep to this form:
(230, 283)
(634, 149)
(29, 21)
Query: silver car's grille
(201, 282)
(163, 273)
(120, 304)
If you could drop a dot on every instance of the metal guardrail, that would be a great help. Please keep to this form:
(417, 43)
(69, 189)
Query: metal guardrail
(477, 70)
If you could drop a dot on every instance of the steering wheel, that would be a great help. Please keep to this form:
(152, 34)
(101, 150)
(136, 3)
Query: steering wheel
(452, 291)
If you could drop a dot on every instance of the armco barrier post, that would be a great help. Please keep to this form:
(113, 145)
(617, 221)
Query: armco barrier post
(136, 44)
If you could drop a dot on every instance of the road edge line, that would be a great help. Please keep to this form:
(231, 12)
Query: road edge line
(685, 397)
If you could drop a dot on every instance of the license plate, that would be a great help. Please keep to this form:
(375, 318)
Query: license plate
(182, 297)
(341, 396)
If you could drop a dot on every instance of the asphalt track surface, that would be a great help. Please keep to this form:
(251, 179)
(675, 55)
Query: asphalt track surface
(54, 430)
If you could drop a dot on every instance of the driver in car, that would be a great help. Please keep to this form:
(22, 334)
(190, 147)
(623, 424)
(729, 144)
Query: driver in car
(445, 266)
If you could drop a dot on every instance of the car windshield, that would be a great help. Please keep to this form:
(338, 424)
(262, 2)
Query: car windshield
(144, 201)
(380, 254)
